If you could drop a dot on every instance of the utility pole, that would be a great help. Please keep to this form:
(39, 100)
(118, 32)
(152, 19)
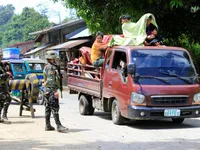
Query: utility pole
(59, 17)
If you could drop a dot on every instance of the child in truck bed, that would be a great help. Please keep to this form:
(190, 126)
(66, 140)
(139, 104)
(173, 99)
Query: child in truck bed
(153, 39)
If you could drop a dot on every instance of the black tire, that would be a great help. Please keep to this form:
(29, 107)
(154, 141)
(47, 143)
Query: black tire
(178, 120)
(40, 99)
(85, 105)
(91, 108)
(116, 113)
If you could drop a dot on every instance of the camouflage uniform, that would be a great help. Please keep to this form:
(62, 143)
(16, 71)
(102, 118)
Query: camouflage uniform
(4, 92)
(51, 84)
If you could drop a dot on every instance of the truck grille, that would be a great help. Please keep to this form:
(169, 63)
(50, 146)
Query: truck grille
(169, 100)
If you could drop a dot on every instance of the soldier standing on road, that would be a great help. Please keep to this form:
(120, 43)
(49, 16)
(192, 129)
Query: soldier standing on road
(51, 85)
(4, 91)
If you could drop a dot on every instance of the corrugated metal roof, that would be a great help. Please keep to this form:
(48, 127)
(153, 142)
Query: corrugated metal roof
(38, 49)
(57, 27)
(31, 60)
(83, 33)
(68, 36)
(21, 43)
(69, 44)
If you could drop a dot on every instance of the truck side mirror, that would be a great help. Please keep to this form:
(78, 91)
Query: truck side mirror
(131, 69)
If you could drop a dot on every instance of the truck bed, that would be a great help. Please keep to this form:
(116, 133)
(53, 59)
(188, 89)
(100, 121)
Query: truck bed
(85, 84)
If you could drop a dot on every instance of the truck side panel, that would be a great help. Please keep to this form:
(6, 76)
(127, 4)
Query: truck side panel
(85, 85)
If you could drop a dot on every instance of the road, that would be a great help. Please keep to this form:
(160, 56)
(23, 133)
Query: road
(95, 132)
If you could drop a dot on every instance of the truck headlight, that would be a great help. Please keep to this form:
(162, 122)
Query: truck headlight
(137, 98)
(196, 97)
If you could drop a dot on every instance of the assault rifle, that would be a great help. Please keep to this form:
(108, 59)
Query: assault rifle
(60, 75)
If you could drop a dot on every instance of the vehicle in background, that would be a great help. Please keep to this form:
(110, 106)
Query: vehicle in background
(36, 66)
(17, 68)
(18, 71)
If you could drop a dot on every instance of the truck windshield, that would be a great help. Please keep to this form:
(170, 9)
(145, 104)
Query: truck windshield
(172, 65)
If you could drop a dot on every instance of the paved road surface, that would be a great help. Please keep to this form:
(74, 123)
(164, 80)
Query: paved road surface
(95, 132)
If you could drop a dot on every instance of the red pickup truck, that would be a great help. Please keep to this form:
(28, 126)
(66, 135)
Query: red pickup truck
(139, 83)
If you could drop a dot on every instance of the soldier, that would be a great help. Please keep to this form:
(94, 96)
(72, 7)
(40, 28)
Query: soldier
(52, 84)
(4, 91)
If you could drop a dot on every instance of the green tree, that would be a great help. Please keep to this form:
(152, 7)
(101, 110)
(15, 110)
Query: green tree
(174, 17)
(6, 12)
(19, 27)
(178, 20)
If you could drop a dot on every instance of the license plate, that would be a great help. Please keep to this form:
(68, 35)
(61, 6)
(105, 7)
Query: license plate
(172, 112)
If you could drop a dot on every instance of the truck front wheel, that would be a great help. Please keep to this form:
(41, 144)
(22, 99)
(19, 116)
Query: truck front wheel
(85, 106)
(116, 113)
(178, 120)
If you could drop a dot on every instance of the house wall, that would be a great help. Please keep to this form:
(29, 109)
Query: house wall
(45, 39)
(25, 46)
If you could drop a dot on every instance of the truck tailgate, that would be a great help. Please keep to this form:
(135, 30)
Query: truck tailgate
(86, 85)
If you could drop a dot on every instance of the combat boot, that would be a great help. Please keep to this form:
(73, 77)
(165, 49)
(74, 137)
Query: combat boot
(48, 124)
(0, 115)
(1, 119)
(5, 118)
(49, 128)
(60, 128)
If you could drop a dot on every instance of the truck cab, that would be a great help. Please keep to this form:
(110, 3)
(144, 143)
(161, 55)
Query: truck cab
(141, 83)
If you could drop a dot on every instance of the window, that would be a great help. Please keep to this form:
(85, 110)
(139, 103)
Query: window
(120, 64)
(34, 66)
(18, 67)
(119, 59)
(153, 62)
(174, 66)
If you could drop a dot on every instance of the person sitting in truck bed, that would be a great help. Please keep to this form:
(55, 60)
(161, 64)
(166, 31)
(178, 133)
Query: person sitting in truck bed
(153, 39)
(134, 33)
(97, 60)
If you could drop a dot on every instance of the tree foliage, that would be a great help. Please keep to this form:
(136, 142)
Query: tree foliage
(6, 12)
(19, 27)
(174, 17)
(178, 20)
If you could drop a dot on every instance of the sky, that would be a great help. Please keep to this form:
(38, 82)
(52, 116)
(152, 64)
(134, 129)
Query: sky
(55, 8)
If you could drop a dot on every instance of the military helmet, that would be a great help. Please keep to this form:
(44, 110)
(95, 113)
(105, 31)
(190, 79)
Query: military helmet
(1, 52)
(52, 55)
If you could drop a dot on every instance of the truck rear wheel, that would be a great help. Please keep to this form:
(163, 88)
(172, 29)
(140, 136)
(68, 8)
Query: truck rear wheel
(116, 113)
(85, 106)
(91, 108)
(178, 120)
